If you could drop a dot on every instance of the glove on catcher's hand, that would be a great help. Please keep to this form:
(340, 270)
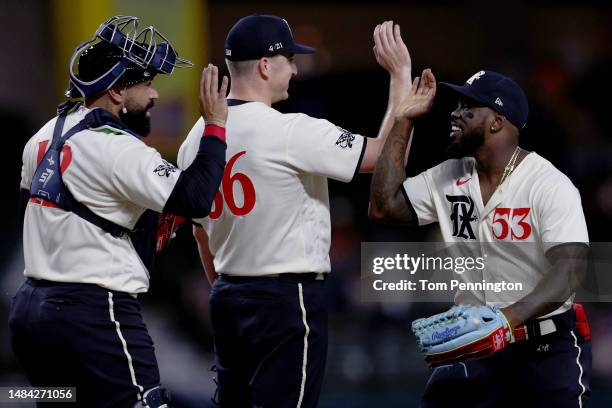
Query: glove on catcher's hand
(461, 333)
(166, 229)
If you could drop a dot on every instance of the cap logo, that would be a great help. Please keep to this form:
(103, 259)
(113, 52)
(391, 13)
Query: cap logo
(275, 47)
(228, 52)
(475, 77)
(499, 102)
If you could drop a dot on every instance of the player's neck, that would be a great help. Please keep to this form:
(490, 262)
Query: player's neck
(245, 92)
(491, 161)
(104, 103)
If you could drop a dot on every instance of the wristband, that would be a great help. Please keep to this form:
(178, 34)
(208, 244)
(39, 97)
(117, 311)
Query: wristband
(216, 131)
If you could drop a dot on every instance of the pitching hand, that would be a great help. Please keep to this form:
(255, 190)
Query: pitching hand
(213, 105)
(420, 98)
(390, 51)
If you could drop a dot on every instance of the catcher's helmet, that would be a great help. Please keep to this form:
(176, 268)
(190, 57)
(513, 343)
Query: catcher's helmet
(119, 54)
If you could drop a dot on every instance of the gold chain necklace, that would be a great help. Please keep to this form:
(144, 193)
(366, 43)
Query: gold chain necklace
(510, 166)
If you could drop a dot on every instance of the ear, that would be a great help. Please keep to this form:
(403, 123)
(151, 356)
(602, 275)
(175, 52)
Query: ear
(264, 67)
(497, 123)
(117, 95)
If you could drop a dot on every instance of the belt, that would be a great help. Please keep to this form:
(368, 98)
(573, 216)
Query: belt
(538, 328)
(295, 276)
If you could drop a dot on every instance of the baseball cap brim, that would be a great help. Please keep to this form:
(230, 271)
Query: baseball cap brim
(300, 49)
(465, 91)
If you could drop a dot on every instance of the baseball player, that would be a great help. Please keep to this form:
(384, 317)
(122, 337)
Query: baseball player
(537, 349)
(265, 244)
(88, 179)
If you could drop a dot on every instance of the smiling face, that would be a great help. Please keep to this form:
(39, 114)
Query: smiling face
(283, 69)
(468, 124)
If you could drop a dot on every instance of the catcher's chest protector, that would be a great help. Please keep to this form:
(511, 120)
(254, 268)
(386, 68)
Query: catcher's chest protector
(47, 183)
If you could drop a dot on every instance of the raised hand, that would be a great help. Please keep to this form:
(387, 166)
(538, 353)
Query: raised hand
(390, 51)
(213, 105)
(420, 98)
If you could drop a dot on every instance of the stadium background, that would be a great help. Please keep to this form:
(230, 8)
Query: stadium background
(560, 52)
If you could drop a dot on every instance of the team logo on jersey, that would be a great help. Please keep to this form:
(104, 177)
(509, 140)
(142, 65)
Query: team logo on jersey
(346, 139)
(165, 169)
(462, 214)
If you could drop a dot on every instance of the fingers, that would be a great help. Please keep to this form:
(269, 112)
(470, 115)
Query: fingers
(207, 81)
(224, 84)
(384, 36)
(397, 35)
(377, 41)
(203, 83)
(415, 86)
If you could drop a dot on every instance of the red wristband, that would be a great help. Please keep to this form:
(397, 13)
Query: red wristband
(216, 131)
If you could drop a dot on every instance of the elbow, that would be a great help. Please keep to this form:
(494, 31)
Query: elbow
(201, 209)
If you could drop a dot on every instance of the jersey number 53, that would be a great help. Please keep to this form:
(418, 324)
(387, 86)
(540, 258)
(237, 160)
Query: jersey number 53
(511, 221)
(227, 192)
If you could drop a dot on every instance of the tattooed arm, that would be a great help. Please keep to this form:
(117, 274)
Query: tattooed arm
(387, 201)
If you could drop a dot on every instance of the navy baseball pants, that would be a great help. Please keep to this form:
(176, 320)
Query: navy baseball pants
(548, 371)
(270, 340)
(84, 336)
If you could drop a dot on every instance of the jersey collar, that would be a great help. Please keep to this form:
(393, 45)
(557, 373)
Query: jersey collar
(236, 102)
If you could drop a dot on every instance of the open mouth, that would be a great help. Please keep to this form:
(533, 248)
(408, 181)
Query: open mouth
(455, 130)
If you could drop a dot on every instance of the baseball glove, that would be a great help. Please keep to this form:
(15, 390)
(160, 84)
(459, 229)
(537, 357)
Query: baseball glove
(461, 333)
(166, 229)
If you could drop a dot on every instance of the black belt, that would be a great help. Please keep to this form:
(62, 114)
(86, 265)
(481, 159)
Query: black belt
(293, 276)
(538, 328)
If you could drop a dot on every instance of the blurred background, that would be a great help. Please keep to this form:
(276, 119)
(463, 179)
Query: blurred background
(560, 52)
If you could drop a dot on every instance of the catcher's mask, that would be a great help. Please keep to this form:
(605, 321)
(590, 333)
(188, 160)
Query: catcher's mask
(120, 54)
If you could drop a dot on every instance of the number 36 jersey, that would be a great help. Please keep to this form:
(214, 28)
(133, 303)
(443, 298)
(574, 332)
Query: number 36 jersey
(271, 214)
(535, 209)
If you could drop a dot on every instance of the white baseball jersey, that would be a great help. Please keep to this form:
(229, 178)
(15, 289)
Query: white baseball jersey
(271, 214)
(117, 177)
(535, 209)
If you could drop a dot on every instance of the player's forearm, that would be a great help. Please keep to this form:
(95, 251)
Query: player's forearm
(558, 285)
(206, 257)
(387, 203)
(399, 85)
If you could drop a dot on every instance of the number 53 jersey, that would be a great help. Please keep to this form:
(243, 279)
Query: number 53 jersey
(271, 213)
(535, 209)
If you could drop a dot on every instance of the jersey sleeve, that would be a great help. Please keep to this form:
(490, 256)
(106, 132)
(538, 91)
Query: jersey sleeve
(319, 147)
(561, 215)
(189, 148)
(28, 165)
(142, 176)
(418, 193)
(30, 155)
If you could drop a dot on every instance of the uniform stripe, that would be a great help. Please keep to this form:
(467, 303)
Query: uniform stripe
(579, 367)
(123, 343)
(305, 357)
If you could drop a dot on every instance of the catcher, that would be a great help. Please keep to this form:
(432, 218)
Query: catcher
(491, 191)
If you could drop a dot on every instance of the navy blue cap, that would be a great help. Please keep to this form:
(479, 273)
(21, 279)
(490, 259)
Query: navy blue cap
(498, 92)
(258, 36)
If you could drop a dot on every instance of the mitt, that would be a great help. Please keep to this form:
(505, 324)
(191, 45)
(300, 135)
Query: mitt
(461, 333)
(166, 229)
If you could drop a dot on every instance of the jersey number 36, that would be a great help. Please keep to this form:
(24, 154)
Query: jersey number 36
(227, 187)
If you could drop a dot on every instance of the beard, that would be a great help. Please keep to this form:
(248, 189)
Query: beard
(466, 145)
(136, 119)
